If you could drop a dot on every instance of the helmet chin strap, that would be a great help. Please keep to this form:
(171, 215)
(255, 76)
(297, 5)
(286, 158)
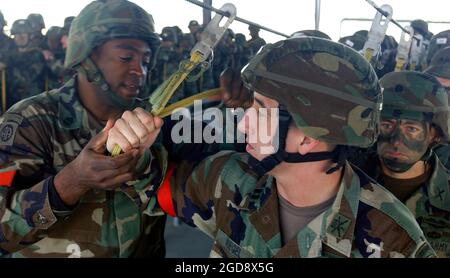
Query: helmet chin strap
(95, 77)
(338, 155)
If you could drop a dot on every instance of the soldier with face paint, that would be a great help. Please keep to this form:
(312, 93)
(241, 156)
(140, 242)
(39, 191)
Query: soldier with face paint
(413, 120)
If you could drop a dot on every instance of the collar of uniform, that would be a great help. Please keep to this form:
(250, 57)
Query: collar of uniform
(265, 219)
(438, 185)
(341, 217)
(70, 110)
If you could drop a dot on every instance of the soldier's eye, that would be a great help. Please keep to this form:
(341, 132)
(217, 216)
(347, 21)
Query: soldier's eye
(386, 125)
(126, 58)
(412, 129)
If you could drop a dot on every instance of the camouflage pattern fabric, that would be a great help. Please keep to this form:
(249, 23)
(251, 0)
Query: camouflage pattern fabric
(430, 204)
(440, 64)
(416, 96)
(7, 46)
(38, 137)
(443, 153)
(25, 76)
(100, 21)
(356, 42)
(438, 41)
(255, 44)
(56, 70)
(224, 198)
(431, 207)
(313, 69)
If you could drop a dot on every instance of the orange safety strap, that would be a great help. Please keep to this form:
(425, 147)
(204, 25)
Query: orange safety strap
(164, 195)
(6, 178)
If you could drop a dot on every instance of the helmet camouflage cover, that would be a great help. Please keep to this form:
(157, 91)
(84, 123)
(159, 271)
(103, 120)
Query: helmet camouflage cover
(416, 96)
(101, 21)
(330, 90)
(21, 26)
(36, 21)
(67, 23)
(439, 41)
(440, 64)
(54, 33)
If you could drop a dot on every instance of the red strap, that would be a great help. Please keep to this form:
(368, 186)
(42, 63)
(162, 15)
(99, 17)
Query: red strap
(164, 195)
(6, 178)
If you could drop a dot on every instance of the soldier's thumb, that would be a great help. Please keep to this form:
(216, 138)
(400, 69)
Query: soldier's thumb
(98, 142)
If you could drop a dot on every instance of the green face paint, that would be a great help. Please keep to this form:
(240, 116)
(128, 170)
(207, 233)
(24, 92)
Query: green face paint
(402, 143)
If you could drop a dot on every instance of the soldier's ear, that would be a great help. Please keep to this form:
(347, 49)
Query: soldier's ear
(307, 144)
(435, 136)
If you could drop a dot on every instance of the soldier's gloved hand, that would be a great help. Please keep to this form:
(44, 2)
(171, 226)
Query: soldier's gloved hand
(93, 169)
(2, 66)
(235, 94)
(137, 129)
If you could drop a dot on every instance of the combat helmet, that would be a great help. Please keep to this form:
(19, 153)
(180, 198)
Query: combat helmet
(438, 42)
(21, 26)
(99, 22)
(36, 21)
(67, 24)
(329, 89)
(310, 33)
(54, 33)
(440, 64)
(416, 96)
(420, 26)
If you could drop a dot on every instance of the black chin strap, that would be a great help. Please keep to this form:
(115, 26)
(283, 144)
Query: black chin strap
(339, 155)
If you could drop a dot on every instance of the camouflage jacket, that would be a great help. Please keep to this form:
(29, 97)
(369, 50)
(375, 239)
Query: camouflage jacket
(256, 44)
(430, 204)
(55, 70)
(7, 46)
(225, 199)
(25, 75)
(38, 137)
(443, 152)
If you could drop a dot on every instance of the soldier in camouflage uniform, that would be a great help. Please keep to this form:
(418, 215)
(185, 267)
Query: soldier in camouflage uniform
(68, 73)
(438, 42)
(66, 198)
(54, 57)
(440, 68)
(7, 47)
(415, 118)
(37, 24)
(167, 61)
(26, 71)
(65, 31)
(256, 42)
(305, 200)
(6, 44)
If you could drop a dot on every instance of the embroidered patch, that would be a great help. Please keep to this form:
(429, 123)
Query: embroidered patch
(339, 226)
(7, 133)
